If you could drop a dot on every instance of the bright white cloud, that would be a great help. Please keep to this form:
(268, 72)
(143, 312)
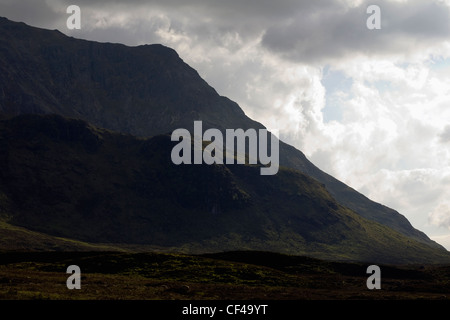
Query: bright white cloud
(394, 145)
(440, 216)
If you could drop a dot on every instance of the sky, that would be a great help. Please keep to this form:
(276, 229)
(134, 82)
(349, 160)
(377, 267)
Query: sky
(369, 106)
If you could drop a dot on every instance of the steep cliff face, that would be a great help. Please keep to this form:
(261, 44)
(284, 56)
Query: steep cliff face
(143, 91)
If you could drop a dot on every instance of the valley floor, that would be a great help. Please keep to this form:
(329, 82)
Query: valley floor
(227, 276)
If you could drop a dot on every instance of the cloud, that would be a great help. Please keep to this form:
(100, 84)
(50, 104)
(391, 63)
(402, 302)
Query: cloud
(388, 143)
(322, 34)
(41, 15)
(441, 215)
(445, 135)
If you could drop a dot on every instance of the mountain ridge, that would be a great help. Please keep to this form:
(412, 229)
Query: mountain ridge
(143, 91)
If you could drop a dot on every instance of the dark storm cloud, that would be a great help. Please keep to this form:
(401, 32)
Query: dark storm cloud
(334, 33)
(301, 31)
(36, 13)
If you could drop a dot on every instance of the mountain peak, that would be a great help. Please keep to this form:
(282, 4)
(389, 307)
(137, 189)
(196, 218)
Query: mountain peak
(128, 89)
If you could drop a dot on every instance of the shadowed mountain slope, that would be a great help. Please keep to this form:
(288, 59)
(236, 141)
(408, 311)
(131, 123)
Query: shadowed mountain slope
(66, 178)
(143, 91)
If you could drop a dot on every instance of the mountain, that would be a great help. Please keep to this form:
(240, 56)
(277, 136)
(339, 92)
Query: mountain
(66, 178)
(141, 91)
(144, 90)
